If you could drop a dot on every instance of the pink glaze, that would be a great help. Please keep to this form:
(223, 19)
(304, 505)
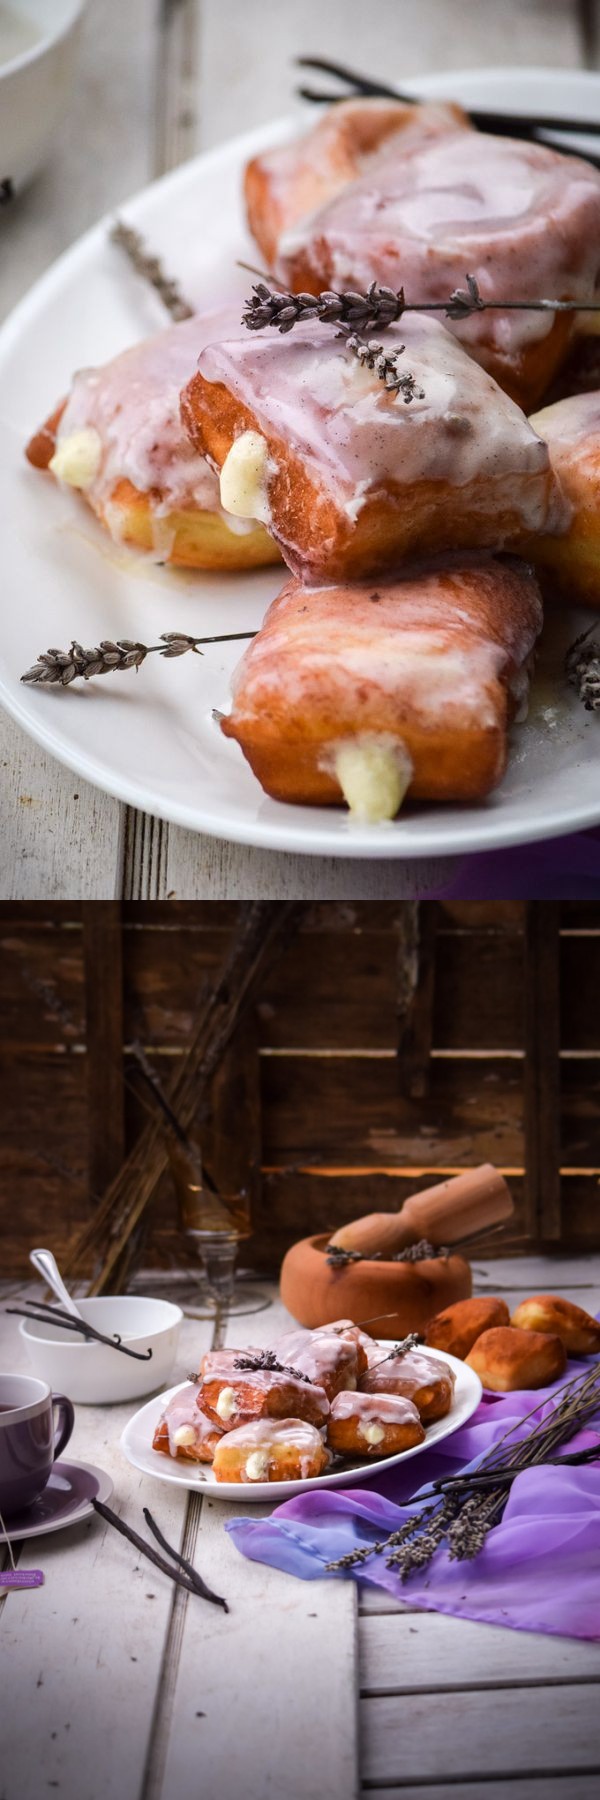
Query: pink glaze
(415, 1370)
(183, 1410)
(438, 656)
(307, 390)
(264, 1383)
(133, 404)
(320, 1355)
(385, 1409)
(522, 218)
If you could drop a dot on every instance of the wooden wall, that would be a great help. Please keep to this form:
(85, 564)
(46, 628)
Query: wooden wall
(360, 1104)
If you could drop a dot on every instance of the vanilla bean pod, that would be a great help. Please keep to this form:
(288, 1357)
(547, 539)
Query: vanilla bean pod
(60, 667)
(186, 1578)
(151, 270)
(205, 1592)
(47, 1315)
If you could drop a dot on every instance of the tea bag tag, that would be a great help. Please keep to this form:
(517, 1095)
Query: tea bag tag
(20, 1578)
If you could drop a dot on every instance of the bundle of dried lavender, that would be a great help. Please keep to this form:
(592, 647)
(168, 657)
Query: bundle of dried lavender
(151, 269)
(338, 1258)
(582, 666)
(472, 1503)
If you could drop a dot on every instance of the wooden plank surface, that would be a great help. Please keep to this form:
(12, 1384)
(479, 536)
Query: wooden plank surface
(174, 81)
(534, 1730)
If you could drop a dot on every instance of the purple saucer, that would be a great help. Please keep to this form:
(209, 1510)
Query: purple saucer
(66, 1499)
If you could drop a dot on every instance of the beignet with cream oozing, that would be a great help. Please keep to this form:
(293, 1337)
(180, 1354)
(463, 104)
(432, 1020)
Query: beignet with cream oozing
(271, 1450)
(350, 479)
(367, 694)
(373, 1425)
(283, 185)
(118, 441)
(231, 1398)
(329, 1359)
(185, 1432)
(429, 1383)
(523, 218)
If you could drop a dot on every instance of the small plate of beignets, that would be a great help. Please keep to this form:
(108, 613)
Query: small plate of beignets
(452, 1392)
(373, 1425)
(577, 1329)
(506, 1358)
(458, 1326)
(523, 218)
(350, 478)
(416, 1376)
(283, 185)
(231, 1397)
(271, 1450)
(117, 440)
(389, 690)
(571, 430)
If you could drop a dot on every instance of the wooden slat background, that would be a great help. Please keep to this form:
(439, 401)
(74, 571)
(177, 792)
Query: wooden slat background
(499, 1060)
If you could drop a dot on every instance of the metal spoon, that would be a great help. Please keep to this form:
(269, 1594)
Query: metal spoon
(46, 1265)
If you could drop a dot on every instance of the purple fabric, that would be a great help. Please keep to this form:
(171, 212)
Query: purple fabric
(566, 868)
(539, 1569)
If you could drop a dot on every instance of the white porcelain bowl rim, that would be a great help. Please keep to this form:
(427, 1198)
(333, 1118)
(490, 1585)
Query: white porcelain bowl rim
(170, 1315)
(48, 36)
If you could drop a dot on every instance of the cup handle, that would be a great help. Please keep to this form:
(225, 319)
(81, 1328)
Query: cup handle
(64, 1426)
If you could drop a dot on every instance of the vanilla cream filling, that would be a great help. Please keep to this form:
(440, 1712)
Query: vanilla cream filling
(372, 1434)
(257, 1466)
(243, 478)
(77, 458)
(226, 1404)
(374, 775)
(184, 1436)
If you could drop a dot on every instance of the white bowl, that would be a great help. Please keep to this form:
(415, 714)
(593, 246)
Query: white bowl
(95, 1374)
(37, 59)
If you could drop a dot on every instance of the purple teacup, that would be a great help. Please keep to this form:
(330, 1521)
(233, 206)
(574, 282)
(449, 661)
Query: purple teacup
(29, 1439)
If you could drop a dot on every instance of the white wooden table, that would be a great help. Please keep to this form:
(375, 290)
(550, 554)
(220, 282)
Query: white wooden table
(156, 84)
(114, 1686)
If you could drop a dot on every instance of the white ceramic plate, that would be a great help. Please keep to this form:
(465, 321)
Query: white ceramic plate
(151, 739)
(137, 1438)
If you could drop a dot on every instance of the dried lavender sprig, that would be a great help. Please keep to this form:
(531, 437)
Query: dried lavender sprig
(266, 1359)
(382, 306)
(582, 668)
(151, 269)
(373, 356)
(58, 668)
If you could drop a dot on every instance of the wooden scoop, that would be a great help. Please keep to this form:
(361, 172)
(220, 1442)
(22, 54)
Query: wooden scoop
(452, 1210)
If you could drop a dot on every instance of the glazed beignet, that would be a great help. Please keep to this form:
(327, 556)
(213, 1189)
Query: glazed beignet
(520, 217)
(119, 442)
(271, 1450)
(285, 184)
(349, 478)
(373, 1425)
(330, 1360)
(231, 1398)
(186, 1432)
(415, 1376)
(369, 693)
(571, 429)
